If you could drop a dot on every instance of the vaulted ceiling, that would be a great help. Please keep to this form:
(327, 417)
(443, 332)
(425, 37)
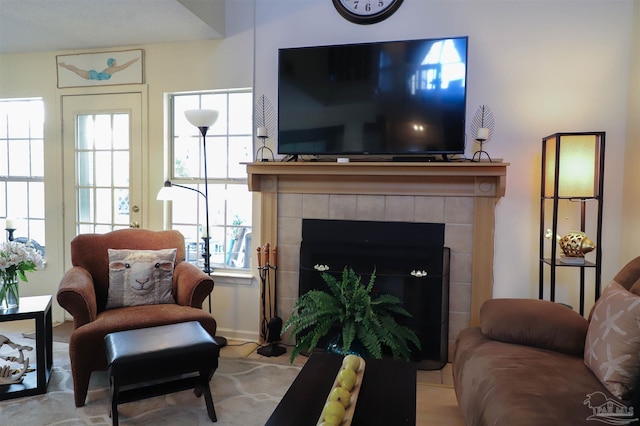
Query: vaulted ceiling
(46, 25)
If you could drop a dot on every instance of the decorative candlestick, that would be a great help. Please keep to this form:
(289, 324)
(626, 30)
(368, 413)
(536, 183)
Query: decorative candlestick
(263, 135)
(482, 125)
(10, 227)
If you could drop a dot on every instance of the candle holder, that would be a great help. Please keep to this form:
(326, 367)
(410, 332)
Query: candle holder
(482, 127)
(263, 136)
(481, 151)
(265, 122)
(10, 232)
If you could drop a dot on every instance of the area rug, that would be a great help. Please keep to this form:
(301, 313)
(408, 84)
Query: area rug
(245, 393)
(61, 332)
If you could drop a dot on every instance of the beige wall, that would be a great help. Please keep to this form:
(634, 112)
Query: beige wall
(630, 247)
(542, 66)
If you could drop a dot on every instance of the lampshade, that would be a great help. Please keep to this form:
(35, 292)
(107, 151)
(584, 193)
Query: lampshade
(201, 117)
(166, 193)
(579, 164)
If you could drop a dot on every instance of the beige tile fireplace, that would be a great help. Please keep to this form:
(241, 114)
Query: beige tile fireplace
(460, 195)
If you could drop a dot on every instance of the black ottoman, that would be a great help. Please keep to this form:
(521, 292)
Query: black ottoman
(155, 361)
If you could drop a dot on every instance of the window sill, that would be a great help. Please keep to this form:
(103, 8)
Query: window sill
(232, 278)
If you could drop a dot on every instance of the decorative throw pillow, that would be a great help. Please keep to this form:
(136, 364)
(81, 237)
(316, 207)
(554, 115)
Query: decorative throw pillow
(140, 277)
(533, 322)
(612, 348)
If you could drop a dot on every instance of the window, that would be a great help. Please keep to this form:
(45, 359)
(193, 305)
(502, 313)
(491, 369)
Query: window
(441, 66)
(22, 166)
(229, 143)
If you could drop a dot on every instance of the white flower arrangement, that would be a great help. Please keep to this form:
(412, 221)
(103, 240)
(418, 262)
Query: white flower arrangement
(18, 258)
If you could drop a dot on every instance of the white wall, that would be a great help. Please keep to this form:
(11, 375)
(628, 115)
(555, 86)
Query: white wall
(541, 66)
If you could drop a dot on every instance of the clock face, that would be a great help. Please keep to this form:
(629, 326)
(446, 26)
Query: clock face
(366, 11)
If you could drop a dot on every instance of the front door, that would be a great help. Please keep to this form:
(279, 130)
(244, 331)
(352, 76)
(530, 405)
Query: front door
(102, 140)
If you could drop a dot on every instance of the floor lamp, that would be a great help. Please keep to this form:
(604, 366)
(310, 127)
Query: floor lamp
(203, 119)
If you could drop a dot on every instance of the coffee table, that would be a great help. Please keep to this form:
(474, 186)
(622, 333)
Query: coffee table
(387, 395)
(37, 308)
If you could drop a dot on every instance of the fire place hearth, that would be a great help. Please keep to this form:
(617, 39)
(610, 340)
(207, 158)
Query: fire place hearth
(410, 262)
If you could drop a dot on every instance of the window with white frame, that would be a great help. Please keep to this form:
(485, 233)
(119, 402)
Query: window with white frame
(228, 144)
(22, 168)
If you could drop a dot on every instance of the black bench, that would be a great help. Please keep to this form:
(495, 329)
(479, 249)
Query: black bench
(159, 360)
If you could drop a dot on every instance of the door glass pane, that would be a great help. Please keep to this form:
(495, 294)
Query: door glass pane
(121, 168)
(103, 200)
(121, 131)
(84, 173)
(84, 136)
(103, 172)
(102, 135)
(121, 213)
(103, 168)
(85, 205)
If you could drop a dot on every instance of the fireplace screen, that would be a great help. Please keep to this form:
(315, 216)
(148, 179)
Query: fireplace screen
(410, 262)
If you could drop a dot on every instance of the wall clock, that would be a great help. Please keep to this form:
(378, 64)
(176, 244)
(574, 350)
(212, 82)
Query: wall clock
(366, 11)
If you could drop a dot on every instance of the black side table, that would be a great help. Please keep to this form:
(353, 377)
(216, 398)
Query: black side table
(37, 308)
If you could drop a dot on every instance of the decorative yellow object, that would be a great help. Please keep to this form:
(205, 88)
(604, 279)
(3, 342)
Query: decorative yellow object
(574, 244)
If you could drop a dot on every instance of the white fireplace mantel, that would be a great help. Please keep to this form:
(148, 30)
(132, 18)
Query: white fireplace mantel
(485, 181)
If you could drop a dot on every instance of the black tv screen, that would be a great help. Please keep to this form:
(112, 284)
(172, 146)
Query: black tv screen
(397, 98)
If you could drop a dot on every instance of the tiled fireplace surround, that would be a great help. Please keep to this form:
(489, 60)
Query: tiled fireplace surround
(460, 195)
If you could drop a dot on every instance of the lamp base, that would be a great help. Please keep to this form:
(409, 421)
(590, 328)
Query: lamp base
(272, 349)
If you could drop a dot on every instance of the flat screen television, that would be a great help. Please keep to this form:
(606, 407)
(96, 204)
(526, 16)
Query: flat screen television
(389, 98)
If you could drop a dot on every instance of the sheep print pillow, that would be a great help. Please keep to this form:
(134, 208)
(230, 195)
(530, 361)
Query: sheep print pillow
(140, 277)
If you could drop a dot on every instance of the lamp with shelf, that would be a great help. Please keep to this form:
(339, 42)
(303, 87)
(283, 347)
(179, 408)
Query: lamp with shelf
(572, 171)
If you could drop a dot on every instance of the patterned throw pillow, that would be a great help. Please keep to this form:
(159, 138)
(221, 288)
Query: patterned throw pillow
(612, 348)
(140, 277)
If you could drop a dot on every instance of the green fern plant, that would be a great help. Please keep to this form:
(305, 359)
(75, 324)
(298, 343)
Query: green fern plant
(359, 314)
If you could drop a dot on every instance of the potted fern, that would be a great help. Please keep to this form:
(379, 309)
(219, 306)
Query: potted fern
(360, 316)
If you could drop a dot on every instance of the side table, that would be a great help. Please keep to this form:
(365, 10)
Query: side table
(37, 308)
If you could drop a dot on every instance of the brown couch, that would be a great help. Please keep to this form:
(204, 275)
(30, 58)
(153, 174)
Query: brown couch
(525, 364)
(83, 293)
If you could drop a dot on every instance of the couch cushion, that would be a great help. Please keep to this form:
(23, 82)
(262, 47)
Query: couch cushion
(612, 348)
(503, 384)
(140, 277)
(533, 322)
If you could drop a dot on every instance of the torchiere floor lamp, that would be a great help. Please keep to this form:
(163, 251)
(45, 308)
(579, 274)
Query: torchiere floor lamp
(203, 119)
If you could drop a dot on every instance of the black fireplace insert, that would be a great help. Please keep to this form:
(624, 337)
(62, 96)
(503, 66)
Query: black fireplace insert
(410, 262)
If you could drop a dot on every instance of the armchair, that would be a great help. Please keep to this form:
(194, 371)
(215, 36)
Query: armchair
(84, 288)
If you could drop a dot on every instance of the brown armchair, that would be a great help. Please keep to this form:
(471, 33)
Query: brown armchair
(83, 293)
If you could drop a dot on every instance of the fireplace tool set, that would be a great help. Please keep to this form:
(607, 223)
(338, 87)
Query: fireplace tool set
(270, 328)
